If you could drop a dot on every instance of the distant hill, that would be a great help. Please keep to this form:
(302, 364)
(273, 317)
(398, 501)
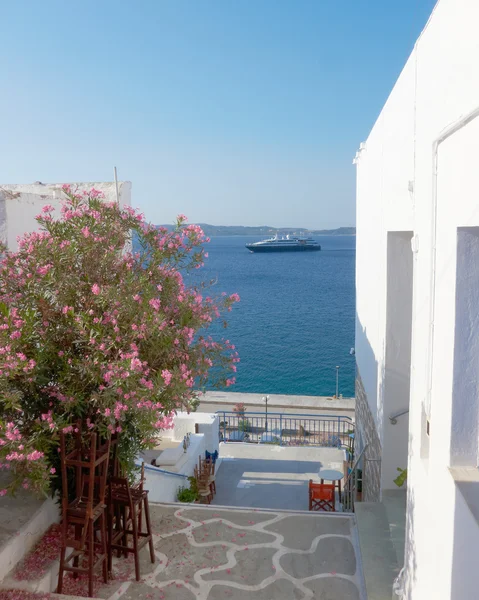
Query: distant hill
(264, 230)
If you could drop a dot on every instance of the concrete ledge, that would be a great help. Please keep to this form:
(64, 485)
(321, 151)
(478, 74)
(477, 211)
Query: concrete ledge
(467, 483)
(299, 403)
(27, 536)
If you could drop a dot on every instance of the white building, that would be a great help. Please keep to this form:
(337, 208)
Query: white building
(417, 330)
(20, 203)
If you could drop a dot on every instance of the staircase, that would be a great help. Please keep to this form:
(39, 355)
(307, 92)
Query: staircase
(381, 529)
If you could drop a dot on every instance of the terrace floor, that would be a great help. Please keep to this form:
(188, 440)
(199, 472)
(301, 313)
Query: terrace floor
(269, 476)
(208, 553)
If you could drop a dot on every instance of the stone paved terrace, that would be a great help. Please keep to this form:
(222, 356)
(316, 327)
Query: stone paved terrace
(212, 553)
(268, 476)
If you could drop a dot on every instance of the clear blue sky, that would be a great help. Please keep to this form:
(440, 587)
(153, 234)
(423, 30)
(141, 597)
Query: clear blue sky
(230, 111)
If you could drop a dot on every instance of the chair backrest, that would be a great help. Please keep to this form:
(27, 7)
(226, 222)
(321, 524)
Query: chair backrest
(321, 496)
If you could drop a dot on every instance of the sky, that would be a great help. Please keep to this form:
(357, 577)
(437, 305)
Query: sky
(233, 112)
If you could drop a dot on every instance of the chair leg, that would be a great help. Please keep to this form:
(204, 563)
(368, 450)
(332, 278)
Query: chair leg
(91, 557)
(110, 537)
(104, 550)
(135, 542)
(76, 560)
(60, 572)
(125, 517)
(148, 529)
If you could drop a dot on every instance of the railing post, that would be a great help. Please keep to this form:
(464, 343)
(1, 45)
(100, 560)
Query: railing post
(281, 430)
(224, 426)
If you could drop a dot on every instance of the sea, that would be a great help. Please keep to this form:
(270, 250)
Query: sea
(295, 322)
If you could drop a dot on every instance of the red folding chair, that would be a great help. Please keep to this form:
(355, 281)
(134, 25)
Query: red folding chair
(321, 496)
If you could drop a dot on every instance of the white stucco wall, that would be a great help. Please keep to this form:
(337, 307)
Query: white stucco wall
(429, 119)
(20, 203)
(163, 487)
(208, 424)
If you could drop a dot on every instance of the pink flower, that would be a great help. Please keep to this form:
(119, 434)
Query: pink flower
(166, 376)
(47, 208)
(53, 470)
(154, 303)
(85, 231)
(95, 288)
(3, 492)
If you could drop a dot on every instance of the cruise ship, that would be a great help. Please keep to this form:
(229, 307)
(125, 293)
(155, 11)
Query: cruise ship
(284, 244)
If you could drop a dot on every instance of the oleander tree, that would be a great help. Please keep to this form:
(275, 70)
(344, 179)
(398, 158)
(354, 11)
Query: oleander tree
(94, 332)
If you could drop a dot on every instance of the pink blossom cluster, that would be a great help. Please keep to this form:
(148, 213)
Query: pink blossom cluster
(94, 329)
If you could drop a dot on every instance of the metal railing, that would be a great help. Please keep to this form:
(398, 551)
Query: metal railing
(354, 483)
(286, 430)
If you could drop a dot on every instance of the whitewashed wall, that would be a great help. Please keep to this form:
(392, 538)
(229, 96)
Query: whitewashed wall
(208, 424)
(163, 487)
(20, 203)
(430, 116)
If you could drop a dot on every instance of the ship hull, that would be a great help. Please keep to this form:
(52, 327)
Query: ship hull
(265, 248)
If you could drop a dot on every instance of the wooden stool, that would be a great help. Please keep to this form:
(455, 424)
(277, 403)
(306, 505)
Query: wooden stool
(86, 511)
(126, 507)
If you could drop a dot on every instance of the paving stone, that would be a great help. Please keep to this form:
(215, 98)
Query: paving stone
(184, 560)
(334, 588)
(243, 519)
(279, 589)
(221, 532)
(299, 532)
(252, 567)
(163, 520)
(333, 555)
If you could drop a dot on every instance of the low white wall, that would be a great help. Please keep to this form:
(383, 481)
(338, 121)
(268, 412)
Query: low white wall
(208, 424)
(163, 487)
(17, 546)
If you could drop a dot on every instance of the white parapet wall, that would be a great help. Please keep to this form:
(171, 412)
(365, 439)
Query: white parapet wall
(163, 483)
(206, 423)
(20, 203)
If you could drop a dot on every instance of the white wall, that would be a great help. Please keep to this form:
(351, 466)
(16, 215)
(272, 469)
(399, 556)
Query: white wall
(208, 424)
(164, 487)
(397, 190)
(20, 203)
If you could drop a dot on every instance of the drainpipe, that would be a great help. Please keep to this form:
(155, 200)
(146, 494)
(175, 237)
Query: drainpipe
(447, 133)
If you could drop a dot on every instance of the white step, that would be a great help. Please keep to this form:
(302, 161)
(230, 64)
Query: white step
(378, 554)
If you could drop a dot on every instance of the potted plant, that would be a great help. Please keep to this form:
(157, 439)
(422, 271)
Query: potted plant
(189, 494)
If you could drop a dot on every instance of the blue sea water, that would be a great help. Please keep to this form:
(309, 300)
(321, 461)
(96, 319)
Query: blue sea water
(295, 321)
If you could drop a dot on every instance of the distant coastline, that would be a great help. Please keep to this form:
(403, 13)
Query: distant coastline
(265, 230)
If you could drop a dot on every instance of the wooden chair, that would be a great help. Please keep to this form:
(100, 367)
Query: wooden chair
(85, 512)
(208, 464)
(127, 504)
(321, 496)
(203, 484)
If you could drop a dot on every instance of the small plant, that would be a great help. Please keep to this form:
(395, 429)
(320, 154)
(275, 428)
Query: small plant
(239, 408)
(401, 478)
(244, 425)
(188, 494)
